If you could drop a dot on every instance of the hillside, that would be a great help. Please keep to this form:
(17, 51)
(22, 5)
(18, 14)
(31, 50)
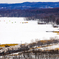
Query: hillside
(27, 5)
(49, 14)
(49, 11)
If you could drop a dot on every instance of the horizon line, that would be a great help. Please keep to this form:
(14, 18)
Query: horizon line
(27, 1)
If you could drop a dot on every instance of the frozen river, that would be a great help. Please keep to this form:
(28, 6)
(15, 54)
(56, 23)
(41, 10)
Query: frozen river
(16, 30)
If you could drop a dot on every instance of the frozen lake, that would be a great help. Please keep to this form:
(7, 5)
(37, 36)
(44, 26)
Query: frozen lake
(16, 30)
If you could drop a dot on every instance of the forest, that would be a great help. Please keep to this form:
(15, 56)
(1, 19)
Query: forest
(48, 14)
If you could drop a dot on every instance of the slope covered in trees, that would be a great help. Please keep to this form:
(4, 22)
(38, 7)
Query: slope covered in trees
(49, 14)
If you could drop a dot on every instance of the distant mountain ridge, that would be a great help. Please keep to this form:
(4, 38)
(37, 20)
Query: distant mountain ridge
(29, 5)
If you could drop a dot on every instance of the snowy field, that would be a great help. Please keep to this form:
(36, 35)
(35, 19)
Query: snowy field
(16, 30)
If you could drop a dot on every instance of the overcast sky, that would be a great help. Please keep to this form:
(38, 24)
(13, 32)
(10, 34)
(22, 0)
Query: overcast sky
(20, 1)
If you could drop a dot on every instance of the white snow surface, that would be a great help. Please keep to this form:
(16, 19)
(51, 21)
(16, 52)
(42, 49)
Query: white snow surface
(12, 30)
(54, 46)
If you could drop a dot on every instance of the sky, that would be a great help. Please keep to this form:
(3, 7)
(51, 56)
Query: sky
(21, 1)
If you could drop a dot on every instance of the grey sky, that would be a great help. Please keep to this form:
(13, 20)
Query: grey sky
(20, 1)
